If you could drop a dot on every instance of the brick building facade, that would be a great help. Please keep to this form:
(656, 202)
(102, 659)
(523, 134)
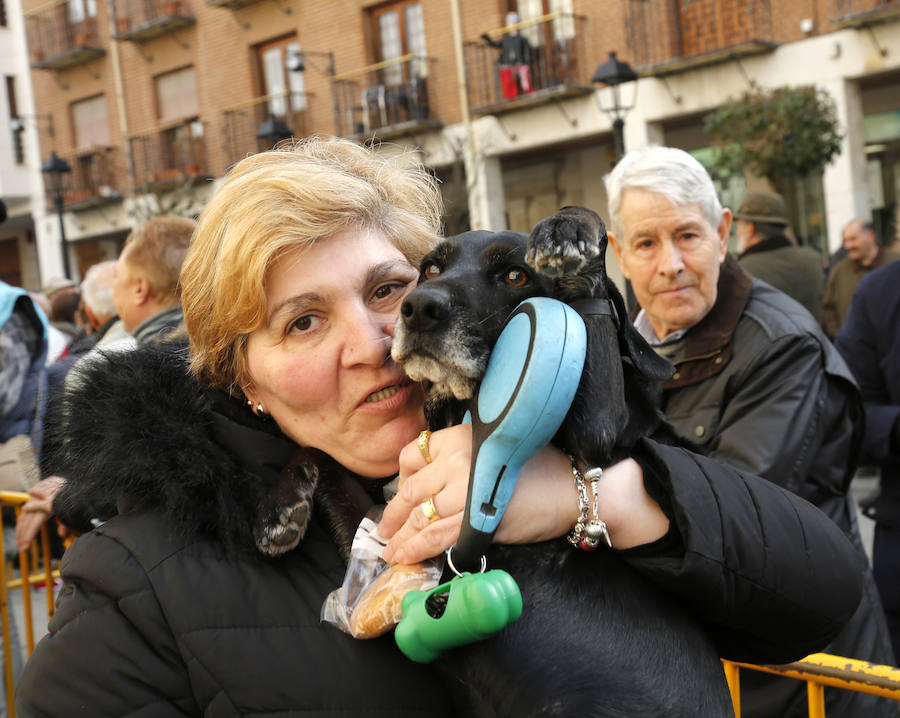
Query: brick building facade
(152, 100)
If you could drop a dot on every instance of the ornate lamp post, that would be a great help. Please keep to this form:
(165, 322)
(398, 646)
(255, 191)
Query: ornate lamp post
(615, 73)
(56, 172)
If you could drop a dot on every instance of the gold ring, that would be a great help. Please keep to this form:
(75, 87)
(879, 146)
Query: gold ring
(429, 509)
(422, 443)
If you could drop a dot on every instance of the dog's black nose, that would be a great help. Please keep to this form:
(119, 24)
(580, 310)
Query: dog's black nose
(425, 310)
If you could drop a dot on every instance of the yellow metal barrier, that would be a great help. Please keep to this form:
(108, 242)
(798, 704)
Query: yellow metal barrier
(820, 670)
(35, 566)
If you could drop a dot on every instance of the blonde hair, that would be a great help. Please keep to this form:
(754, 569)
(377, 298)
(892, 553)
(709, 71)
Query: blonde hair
(158, 250)
(275, 202)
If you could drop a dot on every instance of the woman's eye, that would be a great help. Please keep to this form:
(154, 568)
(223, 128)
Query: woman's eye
(516, 278)
(386, 290)
(431, 271)
(306, 323)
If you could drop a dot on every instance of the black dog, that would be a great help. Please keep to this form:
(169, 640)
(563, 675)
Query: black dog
(595, 638)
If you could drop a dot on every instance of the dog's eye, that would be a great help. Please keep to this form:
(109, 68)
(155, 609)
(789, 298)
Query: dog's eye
(516, 278)
(431, 271)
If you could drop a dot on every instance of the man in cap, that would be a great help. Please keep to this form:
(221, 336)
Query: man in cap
(863, 255)
(768, 253)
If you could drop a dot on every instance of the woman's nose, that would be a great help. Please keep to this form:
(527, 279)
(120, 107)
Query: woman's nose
(368, 340)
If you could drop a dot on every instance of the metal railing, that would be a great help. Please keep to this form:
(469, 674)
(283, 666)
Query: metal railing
(141, 20)
(241, 122)
(861, 11)
(97, 174)
(820, 670)
(169, 153)
(35, 566)
(662, 32)
(59, 38)
(553, 61)
(385, 99)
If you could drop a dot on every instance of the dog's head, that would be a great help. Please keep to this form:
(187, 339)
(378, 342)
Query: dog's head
(451, 321)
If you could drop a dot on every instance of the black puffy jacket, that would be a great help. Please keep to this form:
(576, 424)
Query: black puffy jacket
(164, 613)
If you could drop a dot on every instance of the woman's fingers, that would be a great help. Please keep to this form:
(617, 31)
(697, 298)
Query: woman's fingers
(417, 529)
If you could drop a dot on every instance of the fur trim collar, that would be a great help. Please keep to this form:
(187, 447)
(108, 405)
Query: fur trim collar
(138, 431)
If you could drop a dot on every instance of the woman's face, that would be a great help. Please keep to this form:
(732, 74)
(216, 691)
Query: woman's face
(321, 365)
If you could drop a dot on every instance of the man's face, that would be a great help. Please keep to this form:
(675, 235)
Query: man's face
(672, 256)
(743, 232)
(123, 294)
(860, 243)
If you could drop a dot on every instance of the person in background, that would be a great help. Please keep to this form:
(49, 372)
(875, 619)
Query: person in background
(756, 385)
(767, 252)
(291, 289)
(864, 254)
(146, 290)
(514, 60)
(869, 341)
(97, 295)
(100, 305)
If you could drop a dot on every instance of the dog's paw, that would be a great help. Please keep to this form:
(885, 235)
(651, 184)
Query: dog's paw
(565, 242)
(282, 530)
(285, 510)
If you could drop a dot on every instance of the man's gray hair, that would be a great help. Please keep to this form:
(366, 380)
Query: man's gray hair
(97, 288)
(667, 171)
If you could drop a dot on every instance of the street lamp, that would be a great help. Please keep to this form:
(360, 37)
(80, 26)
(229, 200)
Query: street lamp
(614, 73)
(271, 132)
(56, 171)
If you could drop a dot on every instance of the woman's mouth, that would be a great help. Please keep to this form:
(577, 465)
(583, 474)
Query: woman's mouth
(382, 394)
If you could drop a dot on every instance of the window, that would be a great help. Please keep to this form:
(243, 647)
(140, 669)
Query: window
(400, 30)
(82, 9)
(563, 27)
(90, 122)
(285, 88)
(176, 95)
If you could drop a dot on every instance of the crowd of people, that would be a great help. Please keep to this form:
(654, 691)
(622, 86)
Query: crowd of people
(216, 359)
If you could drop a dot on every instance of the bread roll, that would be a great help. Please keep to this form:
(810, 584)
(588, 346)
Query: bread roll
(379, 607)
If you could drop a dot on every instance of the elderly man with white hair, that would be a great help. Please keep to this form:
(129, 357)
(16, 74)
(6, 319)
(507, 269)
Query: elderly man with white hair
(100, 307)
(756, 383)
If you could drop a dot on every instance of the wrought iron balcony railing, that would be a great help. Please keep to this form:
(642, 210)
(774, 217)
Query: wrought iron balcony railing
(59, 38)
(528, 63)
(862, 12)
(240, 123)
(170, 153)
(386, 99)
(97, 175)
(142, 20)
(671, 35)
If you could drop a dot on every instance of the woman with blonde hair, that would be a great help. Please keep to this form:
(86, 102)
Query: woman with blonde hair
(198, 590)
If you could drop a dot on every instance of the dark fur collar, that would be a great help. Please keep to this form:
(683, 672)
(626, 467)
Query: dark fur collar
(138, 431)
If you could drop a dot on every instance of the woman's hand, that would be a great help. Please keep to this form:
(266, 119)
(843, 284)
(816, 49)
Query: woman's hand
(413, 537)
(544, 504)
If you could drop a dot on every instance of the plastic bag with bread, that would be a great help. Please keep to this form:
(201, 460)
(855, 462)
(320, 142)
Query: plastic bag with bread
(368, 602)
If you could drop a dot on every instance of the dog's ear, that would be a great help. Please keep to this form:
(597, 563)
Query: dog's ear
(632, 344)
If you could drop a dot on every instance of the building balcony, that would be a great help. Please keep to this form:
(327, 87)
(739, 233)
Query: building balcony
(529, 63)
(231, 4)
(170, 154)
(97, 176)
(667, 36)
(387, 99)
(57, 42)
(240, 123)
(142, 20)
(859, 13)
